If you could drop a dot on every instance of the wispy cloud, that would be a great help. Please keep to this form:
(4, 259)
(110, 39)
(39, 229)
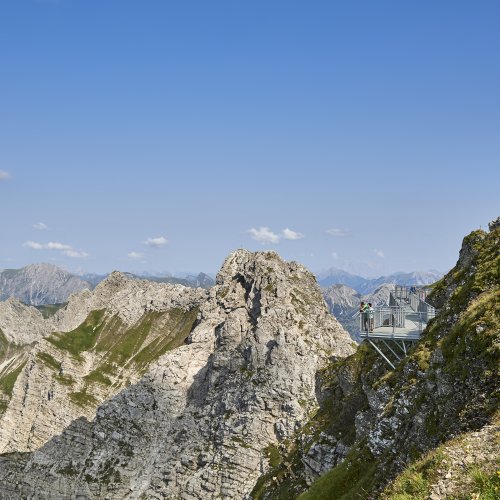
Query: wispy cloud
(40, 226)
(4, 175)
(378, 253)
(34, 245)
(158, 241)
(335, 255)
(264, 235)
(288, 234)
(66, 250)
(135, 255)
(334, 231)
(55, 245)
(75, 254)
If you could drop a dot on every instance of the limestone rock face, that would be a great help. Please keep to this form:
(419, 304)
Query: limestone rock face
(22, 324)
(205, 419)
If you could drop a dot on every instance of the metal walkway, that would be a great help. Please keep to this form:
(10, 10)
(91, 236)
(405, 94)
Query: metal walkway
(392, 329)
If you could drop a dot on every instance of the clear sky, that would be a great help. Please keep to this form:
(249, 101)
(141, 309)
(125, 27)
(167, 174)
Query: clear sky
(162, 135)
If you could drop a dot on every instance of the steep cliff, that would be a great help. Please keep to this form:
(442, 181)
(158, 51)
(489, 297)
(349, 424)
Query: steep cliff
(206, 418)
(416, 421)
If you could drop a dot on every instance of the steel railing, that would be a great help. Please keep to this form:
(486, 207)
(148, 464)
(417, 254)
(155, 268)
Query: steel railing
(395, 317)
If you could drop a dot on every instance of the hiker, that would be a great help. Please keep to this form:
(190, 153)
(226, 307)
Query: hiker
(370, 312)
(364, 317)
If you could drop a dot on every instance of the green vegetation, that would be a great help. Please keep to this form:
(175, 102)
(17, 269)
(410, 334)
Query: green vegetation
(64, 379)
(7, 380)
(353, 478)
(82, 398)
(415, 482)
(48, 360)
(178, 326)
(82, 338)
(98, 377)
(273, 454)
(486, 485)
(240, 441)
(4, 344)
(69, 470)
(121, 343)
(152, 336)
(49, 310)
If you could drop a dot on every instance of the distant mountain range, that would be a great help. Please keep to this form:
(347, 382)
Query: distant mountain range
(364, 285)
(41, 284)
(192, 280)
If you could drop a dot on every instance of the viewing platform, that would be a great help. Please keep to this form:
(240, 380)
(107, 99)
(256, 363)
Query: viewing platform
(397, 325)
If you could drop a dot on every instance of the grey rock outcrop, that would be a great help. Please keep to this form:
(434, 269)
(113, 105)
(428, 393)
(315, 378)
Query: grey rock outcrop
(22, 324)
(204, 420)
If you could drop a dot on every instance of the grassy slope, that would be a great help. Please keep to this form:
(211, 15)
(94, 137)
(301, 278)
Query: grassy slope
(118, 349)
(15, 359)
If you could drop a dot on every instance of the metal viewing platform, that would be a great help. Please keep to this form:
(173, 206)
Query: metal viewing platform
(392, 329)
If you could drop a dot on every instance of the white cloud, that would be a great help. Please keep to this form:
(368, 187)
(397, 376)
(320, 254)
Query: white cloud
(4, 175)
(135, 255)
(33, 244)
(41, 226)
(159, 241)
(67, 250)
(379, 253)
(288, 234)
(264, 235)
(335, 255)
(75, 254)
(336, 232)
(55, 245)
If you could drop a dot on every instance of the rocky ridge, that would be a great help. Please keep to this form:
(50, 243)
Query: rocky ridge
(205, 418)
(85, 353)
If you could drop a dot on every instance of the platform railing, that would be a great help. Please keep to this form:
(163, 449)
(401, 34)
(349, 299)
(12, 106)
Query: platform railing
(397, 318)
(389, 316)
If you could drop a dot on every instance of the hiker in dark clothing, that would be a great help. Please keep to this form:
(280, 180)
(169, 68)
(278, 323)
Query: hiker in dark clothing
(364, 317)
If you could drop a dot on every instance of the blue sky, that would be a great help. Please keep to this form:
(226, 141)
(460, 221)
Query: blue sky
(362, 135)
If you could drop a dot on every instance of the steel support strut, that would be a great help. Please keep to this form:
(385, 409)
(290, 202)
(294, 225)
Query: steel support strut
(382, 354)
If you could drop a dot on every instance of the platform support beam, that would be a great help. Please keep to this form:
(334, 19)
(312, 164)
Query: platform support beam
(381, 354)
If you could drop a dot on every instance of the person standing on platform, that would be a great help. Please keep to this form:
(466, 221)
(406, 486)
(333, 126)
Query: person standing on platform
(370, 312)
(364, 317)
